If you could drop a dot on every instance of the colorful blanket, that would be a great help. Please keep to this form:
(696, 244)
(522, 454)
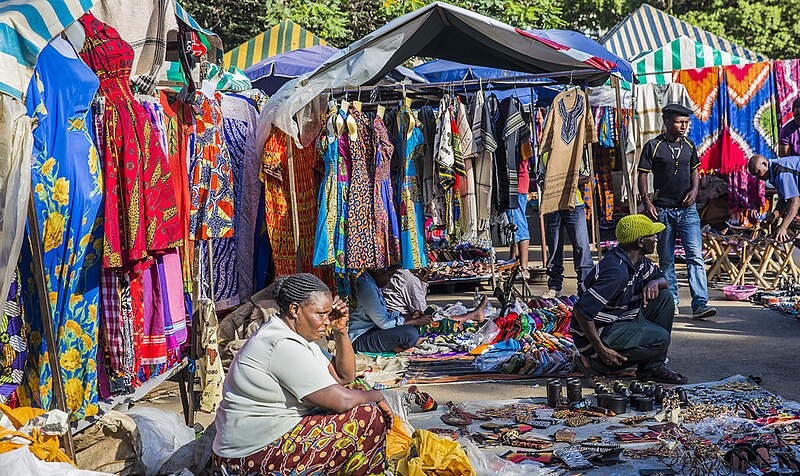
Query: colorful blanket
(704, 86)
(751, 125)
(787, 83)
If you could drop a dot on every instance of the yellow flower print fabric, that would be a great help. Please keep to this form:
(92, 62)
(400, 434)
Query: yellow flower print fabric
(68, 198)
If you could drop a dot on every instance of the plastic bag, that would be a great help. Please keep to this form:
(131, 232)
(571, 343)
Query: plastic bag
(24, 463)
(487, 464)
(162, 434)
(485, 334)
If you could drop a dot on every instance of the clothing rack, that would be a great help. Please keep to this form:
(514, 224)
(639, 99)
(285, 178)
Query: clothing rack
(511, 82)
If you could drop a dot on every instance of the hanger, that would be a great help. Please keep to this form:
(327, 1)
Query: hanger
(357, 103)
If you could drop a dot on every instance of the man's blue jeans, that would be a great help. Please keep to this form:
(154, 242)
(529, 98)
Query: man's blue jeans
(683, 223)
(574, 221)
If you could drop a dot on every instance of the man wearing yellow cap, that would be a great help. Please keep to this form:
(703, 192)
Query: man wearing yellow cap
(624, 313)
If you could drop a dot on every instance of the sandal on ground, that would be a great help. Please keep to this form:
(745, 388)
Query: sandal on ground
(663, 375)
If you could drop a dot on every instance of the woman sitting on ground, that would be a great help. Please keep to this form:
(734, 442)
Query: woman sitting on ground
(284, 405)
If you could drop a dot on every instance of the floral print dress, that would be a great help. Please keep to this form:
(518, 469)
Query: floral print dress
(68, 198)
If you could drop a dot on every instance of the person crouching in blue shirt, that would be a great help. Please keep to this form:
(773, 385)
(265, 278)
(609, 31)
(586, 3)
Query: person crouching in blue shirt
(624, 313)
(375, 329)
(784, 173)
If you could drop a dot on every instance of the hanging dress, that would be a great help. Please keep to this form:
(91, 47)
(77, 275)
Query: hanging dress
(387, 229)
(360, 218)
(325, 251)
(140, 211)
(68, 197)
(343, 196)
(412, 241)
(240, 117)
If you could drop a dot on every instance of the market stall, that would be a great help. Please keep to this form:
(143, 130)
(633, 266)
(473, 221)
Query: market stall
(116, 286)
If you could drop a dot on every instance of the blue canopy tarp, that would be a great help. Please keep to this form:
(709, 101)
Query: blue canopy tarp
(443, 71)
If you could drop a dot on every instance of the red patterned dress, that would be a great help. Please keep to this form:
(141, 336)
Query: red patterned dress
(140, 212)
(141, 216)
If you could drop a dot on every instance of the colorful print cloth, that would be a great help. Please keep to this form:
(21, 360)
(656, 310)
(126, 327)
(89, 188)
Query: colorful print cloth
(13, 344)
(787, 84)
(704, 87)
(140, 211)
(68, 197)
(752, 126)
(410, 211)
(212, 181)
(331, 231)
(352, 443)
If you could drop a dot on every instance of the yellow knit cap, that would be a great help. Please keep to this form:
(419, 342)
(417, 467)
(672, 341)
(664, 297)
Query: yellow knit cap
(633, 227)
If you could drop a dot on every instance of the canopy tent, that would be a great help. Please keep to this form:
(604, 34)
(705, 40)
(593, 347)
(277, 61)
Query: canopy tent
(283, 37)
(647, 28)
(25, 29)
(578, 41)
(438, 30)
(272, 73)
(678, 54)
(443, 71)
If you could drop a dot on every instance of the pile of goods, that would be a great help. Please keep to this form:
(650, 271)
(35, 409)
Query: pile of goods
(527, 339)
(641, 427)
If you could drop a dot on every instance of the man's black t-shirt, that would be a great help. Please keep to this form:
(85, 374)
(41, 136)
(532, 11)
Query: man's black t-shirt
(672, 164)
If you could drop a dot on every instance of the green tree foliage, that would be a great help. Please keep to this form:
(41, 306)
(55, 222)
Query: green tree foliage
(341, 22)
(769, 27)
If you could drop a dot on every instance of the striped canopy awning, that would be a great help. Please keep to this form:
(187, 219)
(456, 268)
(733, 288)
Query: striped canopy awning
(648, 28)
(283, 37)
(682, 53)
(25, 29)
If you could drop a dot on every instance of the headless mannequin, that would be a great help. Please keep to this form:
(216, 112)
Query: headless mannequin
(332, 126)
(76, 36)
(71, 41)
(352, 127)
(412, 123)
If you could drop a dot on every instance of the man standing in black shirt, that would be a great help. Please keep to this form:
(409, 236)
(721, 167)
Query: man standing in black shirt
(672, 158)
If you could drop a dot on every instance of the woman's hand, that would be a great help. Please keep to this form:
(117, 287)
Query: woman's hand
(339, 317)
(388, 415)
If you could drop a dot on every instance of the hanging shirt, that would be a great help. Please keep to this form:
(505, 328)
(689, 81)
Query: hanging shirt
(569, 126)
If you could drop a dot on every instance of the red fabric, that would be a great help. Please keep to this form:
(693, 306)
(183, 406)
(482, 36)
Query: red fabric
(181, 117)
(140, 212)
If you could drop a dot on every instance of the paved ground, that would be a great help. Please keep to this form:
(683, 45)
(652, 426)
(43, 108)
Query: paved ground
(743, 339)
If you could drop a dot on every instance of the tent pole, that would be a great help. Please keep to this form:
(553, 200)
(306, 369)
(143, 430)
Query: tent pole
(293, 197)
(623, 141)
(534, 138)
(595, 198)
(45, 313)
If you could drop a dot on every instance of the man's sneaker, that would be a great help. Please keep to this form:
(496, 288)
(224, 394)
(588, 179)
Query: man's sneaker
(550, 294)
(703, 311)
(677, 311)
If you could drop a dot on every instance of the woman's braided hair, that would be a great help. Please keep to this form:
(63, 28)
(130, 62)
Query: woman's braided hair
(296, 288)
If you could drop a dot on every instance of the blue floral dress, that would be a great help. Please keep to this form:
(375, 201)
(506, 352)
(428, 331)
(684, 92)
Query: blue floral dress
(67, 186)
